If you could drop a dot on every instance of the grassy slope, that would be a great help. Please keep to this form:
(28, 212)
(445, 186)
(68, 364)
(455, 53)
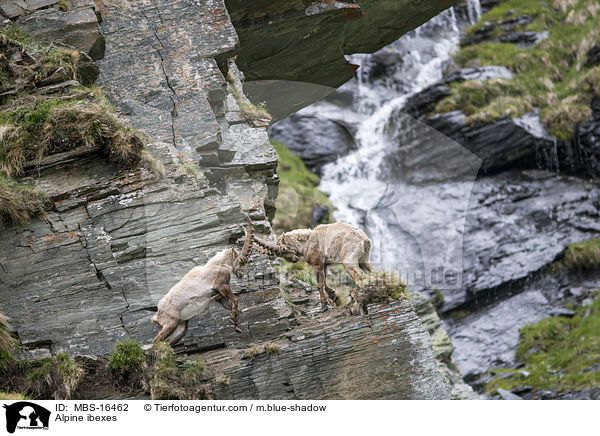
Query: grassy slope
(557, 352)
(298, 193)
(552, 75)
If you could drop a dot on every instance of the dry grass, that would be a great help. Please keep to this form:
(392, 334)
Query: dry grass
(7, 342)
(168, 382)
(12, 396)
(376, 287)
(55, 377)
(19, 203)
(583, 256)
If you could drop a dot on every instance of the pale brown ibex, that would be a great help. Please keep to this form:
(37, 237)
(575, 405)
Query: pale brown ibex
(201, 285)
(325, 244)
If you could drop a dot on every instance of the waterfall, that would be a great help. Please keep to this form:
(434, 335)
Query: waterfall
(412, 230)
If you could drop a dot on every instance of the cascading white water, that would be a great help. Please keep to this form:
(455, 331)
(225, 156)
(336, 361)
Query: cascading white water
(401, 218)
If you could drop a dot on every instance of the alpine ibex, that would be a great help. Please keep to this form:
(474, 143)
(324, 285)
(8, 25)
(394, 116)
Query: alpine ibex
(201, 285)
(325, 244)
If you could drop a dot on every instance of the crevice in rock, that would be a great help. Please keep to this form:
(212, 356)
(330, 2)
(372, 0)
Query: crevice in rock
(174, 96)
(123, 325)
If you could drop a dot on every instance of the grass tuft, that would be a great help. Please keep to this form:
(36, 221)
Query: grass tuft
(12, 396)
(56, 377)
(127, 357)
(583, 256)
(168, 382)
(7, 341)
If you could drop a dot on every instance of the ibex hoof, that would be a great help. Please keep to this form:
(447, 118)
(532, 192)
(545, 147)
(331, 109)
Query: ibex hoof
(238, 329)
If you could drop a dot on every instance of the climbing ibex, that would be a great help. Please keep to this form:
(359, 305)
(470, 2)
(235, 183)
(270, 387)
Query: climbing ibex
(325, 244)
(203, 284)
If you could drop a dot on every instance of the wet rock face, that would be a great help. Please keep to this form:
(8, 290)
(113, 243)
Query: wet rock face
(506, 142)
(317, 141)
(593, 56)
(587, 143)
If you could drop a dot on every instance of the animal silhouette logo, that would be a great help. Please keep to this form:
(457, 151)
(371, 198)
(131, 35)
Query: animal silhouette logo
(24, 414)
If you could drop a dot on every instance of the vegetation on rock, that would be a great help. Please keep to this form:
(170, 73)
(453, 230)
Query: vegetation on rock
(580, 257)
(169, 382)
(127, 356)
(298, 193)
(12, 396)
(46, 109)
(553, 75)
(7, 341)
(559, 353)
(53, 377)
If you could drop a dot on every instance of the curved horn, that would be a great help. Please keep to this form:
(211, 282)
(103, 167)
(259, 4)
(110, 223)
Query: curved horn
(249, 236)
(268, 245)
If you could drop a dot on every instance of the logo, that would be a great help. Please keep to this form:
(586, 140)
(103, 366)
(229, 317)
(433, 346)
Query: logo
(26, 415)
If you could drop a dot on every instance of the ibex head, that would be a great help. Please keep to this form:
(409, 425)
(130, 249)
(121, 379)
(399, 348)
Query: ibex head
(241, 256)
(289, 245)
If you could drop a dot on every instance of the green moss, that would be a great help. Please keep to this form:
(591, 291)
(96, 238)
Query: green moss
(126, 357)
(557, 353)
(17, 34)
(298, 193)
(551, 76)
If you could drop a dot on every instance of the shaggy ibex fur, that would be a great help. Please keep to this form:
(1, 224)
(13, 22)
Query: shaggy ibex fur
(203, 284)
(325, 244)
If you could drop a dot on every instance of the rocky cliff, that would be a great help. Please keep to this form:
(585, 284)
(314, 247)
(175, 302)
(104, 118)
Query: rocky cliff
(115, 241)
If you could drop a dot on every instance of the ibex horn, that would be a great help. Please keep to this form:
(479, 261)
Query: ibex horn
(268, 245)
(249, 236)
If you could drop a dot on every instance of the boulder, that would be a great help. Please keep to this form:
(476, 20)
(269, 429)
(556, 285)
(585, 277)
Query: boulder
(78, 27)
(316, 140)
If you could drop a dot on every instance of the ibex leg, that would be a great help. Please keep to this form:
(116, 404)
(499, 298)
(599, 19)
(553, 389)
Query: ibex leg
(166, 330)
(230, 302)
(178, 333)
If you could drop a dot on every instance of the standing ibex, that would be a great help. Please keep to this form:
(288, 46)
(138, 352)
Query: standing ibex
(203, 284)
(325, 244)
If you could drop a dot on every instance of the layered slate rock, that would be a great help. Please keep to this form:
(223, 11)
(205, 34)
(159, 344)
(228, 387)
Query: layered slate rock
(78, 27)
(116, 242)
(384, 356)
